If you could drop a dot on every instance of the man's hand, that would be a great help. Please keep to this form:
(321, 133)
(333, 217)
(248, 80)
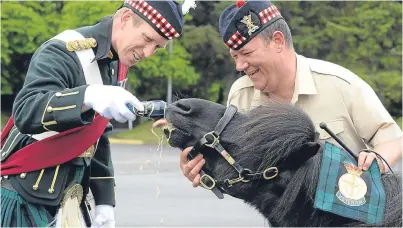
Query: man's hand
(391, 151)
(104, 216)
(191, 169)
(365, 160)
(110, 102)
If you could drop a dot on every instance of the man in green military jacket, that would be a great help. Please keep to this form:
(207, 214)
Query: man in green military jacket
(72, 80)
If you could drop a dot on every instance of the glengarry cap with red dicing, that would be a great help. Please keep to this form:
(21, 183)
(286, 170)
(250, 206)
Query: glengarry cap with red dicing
(242, 21)
(166, 17)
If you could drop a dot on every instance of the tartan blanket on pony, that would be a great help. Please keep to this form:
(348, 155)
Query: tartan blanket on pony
(345, 190)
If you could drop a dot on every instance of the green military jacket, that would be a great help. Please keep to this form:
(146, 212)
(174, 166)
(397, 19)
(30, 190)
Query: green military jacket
(51, 100)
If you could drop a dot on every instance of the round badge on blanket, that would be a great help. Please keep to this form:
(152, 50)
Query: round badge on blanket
(352, 188)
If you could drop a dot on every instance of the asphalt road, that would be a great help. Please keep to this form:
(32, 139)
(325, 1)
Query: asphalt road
(151, 191)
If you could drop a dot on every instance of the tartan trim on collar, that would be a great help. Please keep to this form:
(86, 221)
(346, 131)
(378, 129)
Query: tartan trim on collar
(268, 14)
(235, 40)
(155, 17)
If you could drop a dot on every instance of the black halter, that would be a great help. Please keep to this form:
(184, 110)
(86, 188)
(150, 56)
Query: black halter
(211, 140)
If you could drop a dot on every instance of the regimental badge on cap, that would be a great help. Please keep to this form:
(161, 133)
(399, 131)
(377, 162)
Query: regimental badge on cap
(241, 22)
(248, 24)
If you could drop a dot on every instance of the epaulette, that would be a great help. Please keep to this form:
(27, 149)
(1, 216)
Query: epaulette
(328, 68)
(78, 45)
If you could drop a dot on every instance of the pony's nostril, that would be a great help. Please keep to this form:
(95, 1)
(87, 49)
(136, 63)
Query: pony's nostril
(183, 107)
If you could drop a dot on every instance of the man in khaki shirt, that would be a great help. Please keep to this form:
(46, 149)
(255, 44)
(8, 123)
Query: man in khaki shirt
(261, 44)
(332, 94)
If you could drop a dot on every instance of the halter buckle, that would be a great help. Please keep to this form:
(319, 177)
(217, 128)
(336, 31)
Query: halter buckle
(204, 185)
(234, 181)
(239, 178)
(268, 170)
(243, 173)
(215, 139)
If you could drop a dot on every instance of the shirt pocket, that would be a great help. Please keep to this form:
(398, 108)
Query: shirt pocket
(335, 126)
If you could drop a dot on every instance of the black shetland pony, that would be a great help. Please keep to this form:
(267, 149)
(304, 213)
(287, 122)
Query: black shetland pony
(269, 136)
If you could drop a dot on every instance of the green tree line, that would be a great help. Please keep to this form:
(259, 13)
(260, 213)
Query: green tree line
(365, 37)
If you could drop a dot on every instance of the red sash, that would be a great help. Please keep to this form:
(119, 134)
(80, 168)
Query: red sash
(57, 149)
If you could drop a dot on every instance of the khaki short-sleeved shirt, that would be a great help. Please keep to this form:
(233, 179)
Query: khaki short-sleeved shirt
(332, 94)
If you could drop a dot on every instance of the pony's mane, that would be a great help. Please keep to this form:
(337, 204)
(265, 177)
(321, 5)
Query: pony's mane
(277, 129)
(270, 134)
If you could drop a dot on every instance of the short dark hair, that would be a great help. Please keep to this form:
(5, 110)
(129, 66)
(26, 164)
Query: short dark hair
(279, 25)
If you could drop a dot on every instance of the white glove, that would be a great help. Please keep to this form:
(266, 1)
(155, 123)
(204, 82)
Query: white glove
(110, 102)
(104, 216)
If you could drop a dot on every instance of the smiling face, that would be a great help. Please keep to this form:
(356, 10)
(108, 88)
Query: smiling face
(134, 39)
(260, 60)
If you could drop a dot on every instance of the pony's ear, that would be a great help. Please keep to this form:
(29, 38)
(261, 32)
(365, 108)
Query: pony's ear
(299, 157)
